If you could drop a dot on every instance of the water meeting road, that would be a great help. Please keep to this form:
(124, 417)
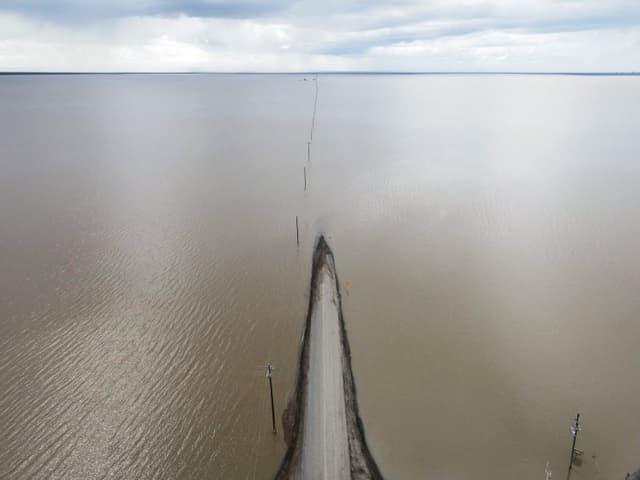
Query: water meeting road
(325, 445)
(324, 433)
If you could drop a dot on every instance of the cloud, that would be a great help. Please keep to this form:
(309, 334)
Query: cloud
(65, 11)
(305, 35)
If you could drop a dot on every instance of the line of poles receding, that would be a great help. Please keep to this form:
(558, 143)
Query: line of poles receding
(269, 367)
(309, 145)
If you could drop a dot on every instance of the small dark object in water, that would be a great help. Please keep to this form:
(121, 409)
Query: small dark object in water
(633, 476)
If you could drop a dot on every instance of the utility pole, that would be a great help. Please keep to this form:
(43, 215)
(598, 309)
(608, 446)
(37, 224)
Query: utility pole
(575, 428)
(273, 409)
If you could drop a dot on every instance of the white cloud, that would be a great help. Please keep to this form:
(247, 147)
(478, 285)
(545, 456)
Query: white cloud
(485, 35)
(584, 51)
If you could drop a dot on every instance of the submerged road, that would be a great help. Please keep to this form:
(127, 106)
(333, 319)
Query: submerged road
(325, 435)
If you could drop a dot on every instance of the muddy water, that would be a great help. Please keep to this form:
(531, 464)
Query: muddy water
(487, 226)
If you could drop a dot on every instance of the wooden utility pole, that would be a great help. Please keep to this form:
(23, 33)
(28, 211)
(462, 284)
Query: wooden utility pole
(297, 233)
(575, 428)
(273, 409)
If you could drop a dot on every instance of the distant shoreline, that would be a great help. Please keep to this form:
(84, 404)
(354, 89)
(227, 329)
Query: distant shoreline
(583, 74)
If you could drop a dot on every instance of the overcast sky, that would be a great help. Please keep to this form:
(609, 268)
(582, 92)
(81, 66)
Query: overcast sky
(320, 35)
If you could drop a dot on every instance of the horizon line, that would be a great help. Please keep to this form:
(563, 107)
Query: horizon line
(327, 72)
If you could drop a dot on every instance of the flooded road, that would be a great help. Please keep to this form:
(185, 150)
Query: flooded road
(487, 227)
(322, 428)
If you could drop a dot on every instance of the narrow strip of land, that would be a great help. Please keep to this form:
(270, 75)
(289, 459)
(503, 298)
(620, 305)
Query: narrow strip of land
(325, 446)
(324, 432)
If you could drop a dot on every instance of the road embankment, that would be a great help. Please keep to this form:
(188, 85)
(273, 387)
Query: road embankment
(323, 430)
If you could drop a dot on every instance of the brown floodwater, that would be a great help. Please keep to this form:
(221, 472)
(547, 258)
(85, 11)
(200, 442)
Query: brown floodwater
(487, 227)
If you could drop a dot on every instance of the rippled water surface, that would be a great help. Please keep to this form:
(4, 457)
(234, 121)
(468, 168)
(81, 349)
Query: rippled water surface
(487, 226)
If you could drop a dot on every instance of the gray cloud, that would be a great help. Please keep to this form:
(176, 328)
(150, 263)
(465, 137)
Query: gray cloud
(355, 15)
(324, 35)
(82, 10)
